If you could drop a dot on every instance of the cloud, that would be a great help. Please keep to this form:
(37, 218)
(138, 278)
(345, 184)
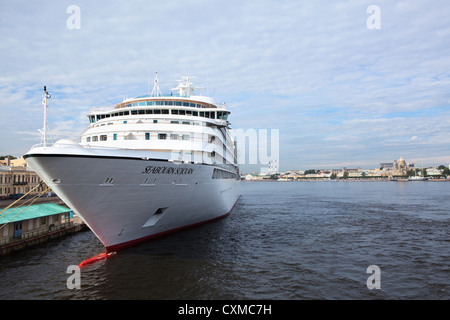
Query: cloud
(337, 91)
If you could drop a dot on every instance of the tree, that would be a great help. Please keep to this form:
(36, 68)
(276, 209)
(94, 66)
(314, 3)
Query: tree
(10, 157)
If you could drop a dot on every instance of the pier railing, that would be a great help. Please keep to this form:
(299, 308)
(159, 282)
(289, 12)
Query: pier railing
(42, 231)
(37, 233)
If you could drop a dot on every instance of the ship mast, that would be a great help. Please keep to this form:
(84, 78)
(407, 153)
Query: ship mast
(156, 92)
(44, 130)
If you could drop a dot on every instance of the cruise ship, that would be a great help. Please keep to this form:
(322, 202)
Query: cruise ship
(146, 166)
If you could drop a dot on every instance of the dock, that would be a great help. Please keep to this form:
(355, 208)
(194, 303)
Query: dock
(24, 227)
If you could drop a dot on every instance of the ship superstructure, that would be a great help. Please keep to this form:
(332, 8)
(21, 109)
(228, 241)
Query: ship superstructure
(146, 166)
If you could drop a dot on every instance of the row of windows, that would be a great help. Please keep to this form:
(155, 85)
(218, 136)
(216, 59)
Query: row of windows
(166, 103)
(17, 190)
(157, 121)
(161, 136)
(222, 174)
(204, 114)
(7, 178)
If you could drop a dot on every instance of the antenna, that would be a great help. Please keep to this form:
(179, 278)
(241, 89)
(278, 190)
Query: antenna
(148, 84)
(44, 102)
(156, 92)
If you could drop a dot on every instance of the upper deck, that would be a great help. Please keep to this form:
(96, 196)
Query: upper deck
(183, 102)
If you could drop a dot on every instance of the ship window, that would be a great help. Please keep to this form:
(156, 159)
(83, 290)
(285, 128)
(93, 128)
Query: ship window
(155, 121)
(213, 115)
(174, 111)
(169, 103)
(150, 103)
(178, 103)
(114, 136)
(182, 112)
(126, 113)
(173, 136)
(202, 113)
(159, 103)
(94, 138)
(88, 139)
(103, 137)
(157, 111)
(195, 113)
(133, 111)
(148, 111)
(125, 121)
(165, 111)
(162, 136)
(186, 137)
(134, 104)
(141, 111)
(142, 103)
(192, 105)
(173, 121)
(147, 136)
(188, 112)
(186, 122)
(185, 104)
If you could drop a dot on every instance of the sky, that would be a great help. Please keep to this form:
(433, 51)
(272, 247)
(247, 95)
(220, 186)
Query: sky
(338, 83)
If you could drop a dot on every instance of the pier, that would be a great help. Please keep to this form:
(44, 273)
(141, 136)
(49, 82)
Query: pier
(24, 227)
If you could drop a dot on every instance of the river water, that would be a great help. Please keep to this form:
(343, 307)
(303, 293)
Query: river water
(282, 241)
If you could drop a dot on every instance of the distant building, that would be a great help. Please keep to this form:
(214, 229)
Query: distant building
(386, 165)
(400, 167)
(18, 180)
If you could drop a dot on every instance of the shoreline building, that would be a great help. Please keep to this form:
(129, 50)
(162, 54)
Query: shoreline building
(16, 181)
(22, 227)
(396, 168)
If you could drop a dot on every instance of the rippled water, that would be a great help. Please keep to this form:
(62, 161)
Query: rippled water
(283, 240)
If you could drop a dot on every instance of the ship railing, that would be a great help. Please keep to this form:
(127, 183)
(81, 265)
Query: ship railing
(42, 145)
(62, 144)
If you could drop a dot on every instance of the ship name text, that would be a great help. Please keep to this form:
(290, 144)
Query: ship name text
(167, 170)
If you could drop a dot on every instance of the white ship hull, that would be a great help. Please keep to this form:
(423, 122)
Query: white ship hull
(145, 166)
(126, 198)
